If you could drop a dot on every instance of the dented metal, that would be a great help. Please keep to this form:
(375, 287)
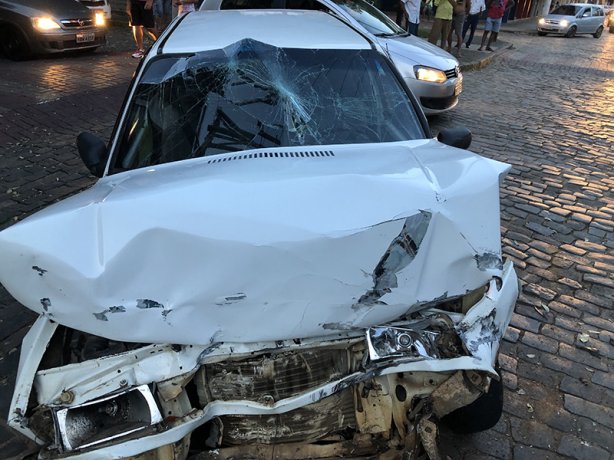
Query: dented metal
(276, 298)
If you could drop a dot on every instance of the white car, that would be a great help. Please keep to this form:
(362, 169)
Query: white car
(277, 260)
(573, 19)
(101, 6)
(431, 73)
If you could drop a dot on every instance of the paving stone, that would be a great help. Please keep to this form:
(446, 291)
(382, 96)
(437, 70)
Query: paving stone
(540, 342)
(576, 448)
(532, 433)
(531, 453)
(605, 379)
(595, 412)
(595, 434)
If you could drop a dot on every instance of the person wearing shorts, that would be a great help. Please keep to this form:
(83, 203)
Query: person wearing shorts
(142, 17)
(461, 8)
(163, 12)
(495, 9)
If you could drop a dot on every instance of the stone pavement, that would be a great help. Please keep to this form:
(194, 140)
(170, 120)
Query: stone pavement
(545, 107)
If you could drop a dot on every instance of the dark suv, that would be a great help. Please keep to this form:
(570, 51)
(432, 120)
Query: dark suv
(37, 26)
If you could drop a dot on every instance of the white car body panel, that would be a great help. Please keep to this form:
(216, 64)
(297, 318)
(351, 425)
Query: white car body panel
(262, 216)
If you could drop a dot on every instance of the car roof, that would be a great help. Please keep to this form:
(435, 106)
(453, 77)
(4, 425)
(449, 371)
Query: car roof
(210, 30)
(584, 4)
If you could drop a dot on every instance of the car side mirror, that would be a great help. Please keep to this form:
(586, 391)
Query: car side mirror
(455, 137)
(93, 152)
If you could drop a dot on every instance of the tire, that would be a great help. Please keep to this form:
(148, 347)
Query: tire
(542, 34)
(598, 32)
(571, 32)
(14, 44)
(480, 415)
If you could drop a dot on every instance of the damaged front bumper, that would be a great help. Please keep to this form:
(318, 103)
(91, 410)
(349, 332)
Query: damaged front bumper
(358, 392)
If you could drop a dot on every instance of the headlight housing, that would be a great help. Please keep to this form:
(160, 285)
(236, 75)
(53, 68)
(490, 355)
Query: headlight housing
(429, 74)
(44, 24)
(100, 20)
(564, 23)
(541, 21)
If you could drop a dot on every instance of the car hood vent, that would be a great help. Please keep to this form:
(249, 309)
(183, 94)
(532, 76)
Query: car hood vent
(248, 156)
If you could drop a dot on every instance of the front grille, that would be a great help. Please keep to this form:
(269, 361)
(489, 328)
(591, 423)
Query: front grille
(274, 377)
(552, 21)
(452, 73)
(306, 424)
(77, 23)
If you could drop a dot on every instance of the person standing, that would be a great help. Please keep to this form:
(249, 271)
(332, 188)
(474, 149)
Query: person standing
(471, 23)
(494, 15)
(461, 8)
(441, 24)
(141, 17)
(412, 13)
(185, 6)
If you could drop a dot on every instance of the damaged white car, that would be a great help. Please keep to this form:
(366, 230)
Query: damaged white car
(278, 261)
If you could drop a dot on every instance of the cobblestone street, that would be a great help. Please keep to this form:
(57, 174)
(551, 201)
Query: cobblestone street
(546, 107)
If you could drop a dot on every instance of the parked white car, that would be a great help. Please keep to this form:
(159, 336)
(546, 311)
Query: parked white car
(101, 6)
(573, 19)
(277, 260)
(431, 73)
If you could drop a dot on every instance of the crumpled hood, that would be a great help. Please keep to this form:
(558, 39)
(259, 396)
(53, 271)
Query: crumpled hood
(261, 245)
(416, 51)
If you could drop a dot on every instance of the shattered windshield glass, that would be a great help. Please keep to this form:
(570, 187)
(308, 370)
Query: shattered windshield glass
(251, 95)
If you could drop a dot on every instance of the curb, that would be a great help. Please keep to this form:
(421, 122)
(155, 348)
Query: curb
(480, 64)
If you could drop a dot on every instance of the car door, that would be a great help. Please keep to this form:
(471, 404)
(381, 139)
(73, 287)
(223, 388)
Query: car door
(597, 18)
(583, 20)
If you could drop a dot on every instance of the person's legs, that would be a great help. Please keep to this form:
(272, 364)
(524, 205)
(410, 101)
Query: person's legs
(435, 31)
(493, 38)
(473, 24)
(496, 25)
(445, 31)
(487, 28)
(412, 28)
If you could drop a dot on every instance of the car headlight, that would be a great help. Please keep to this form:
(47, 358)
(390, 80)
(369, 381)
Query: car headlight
(100, 19)
(541, 21)
(564, 23)
(429, 74)
(45, 23)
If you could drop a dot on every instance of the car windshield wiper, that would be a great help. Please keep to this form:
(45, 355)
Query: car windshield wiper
(388, 35)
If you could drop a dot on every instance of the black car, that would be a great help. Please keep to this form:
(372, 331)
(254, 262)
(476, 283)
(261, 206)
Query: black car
(30, 27)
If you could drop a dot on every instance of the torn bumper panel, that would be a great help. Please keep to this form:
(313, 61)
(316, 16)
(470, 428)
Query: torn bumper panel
(243, 386)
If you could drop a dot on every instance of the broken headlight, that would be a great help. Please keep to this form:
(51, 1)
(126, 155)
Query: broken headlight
(433, 337)
(107, 418)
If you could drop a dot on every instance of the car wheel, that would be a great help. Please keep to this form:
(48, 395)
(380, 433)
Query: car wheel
(598, 32)
(480, 415)
(571, 32)
(13, 44)
(542, 34)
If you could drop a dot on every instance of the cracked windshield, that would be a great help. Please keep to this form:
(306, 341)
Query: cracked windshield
(250, 95)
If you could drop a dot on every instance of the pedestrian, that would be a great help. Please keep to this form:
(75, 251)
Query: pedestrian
(400, 13)
(471, 22)
(185, 6)
(412, 14)
(461, 9)
(163, 12)
(442, 22)
(141, 20)
(495, 9)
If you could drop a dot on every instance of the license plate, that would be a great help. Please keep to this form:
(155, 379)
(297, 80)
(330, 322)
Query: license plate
(86, 37)
(458, 88)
